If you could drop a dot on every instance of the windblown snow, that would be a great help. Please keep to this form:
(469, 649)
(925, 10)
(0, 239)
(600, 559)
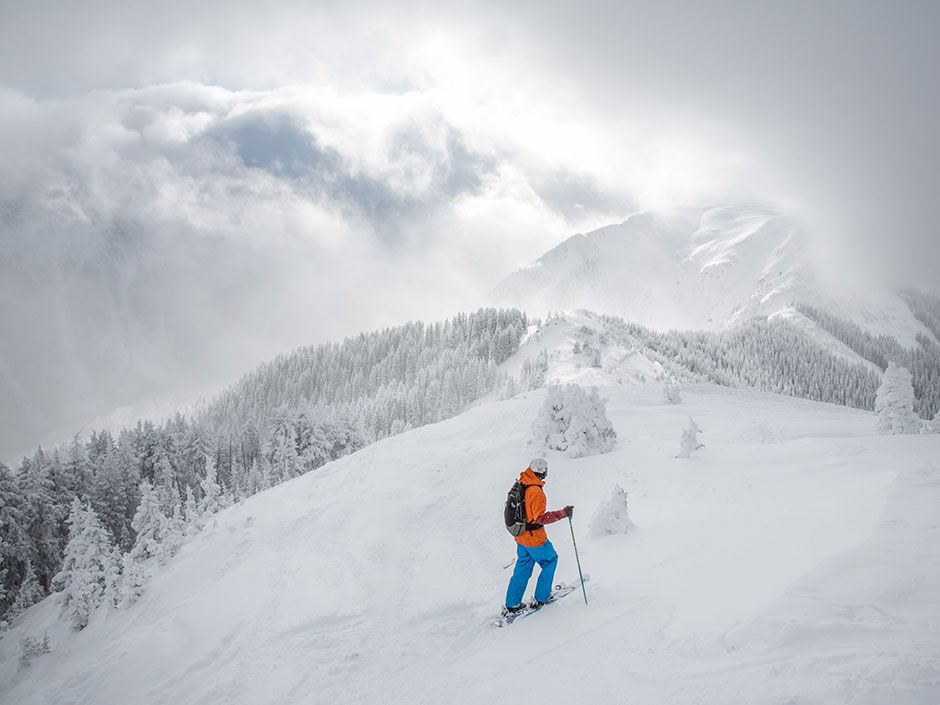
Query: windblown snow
(795, 558)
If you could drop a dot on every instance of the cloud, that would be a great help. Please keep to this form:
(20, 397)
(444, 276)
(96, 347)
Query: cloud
(175, 235)
(187, 189)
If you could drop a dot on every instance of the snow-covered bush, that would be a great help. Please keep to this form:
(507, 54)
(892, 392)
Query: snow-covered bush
(671, 392)
(894, 403)
(32, 647)
(766, 432)
(612, 516)
(932, 426)
(573, 421)
(689, 440)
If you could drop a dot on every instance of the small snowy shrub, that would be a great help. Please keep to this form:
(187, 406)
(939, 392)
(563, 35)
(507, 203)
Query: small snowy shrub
(689, 440)
(932, 426)
(33, 647)
(671, 392)
(573, 421)
(894, 403)
(766, 432)
(612, 516)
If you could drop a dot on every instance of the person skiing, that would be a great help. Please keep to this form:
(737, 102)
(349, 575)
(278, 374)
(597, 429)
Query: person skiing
(533, 546)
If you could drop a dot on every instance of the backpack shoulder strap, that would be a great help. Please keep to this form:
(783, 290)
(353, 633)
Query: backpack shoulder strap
(530, 526)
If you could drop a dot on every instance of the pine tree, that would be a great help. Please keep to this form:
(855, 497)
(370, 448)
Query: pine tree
(150, 524)
(86, 566)
(15, 549)
(173, 537)
(191, 512)
(894, 403)
(134, 578)
(41, 516)
(29, 593)
(284, 459)
(165, 484)
(211, 501)
(113, 496)
(113, 579)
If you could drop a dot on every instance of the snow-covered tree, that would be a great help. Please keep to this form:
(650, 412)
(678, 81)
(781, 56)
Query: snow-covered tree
(174, 536)
(158, 536)
(689, 440)
(573, 421)
(212, 500)
(166, 485)
(284, 459)
(114, 488)
(258, 478)
(134, 578)
(15, 548)
(85, 567)
(41, 515)
(113, 579)
(150, 524)
(672, 393)
(894, 403)
(191, 512)
(29, 593)
(612, 516)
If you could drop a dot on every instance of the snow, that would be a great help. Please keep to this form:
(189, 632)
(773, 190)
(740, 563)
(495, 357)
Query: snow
(804, 570)
(558, 335)
(703, 268)
(823, 338)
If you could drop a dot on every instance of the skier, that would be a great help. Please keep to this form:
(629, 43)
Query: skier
(533, 546)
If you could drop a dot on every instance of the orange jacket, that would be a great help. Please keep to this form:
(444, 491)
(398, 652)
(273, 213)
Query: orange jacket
(535, 510)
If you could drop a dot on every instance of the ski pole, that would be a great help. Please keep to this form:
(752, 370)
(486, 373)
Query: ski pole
(578, 560)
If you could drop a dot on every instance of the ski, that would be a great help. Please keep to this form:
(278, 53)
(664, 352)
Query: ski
(558, 592)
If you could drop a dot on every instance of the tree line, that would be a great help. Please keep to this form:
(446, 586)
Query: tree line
(127, 498)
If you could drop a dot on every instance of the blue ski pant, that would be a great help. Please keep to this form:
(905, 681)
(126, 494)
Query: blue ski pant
(526, 558)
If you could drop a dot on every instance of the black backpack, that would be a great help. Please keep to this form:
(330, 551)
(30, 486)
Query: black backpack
(514, 511)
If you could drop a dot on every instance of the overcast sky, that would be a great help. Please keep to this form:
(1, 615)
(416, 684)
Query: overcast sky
(188, 188)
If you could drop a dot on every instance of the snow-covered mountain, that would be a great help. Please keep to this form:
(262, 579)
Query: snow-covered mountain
(698, 269)
(794, 559)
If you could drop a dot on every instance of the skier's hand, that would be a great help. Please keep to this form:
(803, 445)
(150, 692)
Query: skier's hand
(569, 511)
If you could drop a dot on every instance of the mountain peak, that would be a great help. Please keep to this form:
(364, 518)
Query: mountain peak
(702, 268)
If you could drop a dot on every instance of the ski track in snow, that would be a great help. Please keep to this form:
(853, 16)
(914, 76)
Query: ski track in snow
(794, 559)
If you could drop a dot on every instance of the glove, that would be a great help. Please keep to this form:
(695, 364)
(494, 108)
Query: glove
(569, 511)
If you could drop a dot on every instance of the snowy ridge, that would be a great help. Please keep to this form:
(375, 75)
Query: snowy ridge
(698, 269)
(375, 574)
(558, 337)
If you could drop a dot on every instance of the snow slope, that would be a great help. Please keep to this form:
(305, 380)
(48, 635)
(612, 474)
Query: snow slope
(557, 337)
(699, 269)
(795, 559)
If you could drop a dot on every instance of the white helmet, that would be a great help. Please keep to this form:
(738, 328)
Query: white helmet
(540, 467)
